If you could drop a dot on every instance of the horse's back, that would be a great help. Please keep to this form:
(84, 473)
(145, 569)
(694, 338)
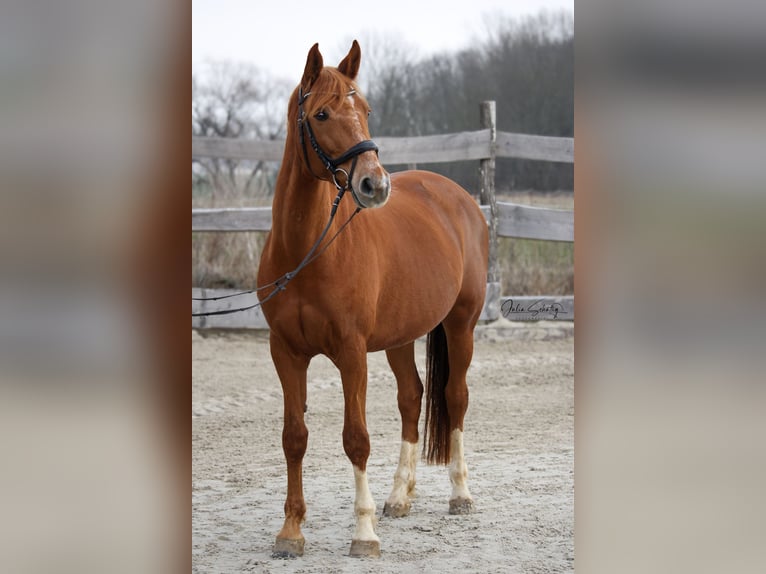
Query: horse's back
(435, 189)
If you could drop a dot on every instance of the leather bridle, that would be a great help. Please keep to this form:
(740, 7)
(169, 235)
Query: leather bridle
(331, 164)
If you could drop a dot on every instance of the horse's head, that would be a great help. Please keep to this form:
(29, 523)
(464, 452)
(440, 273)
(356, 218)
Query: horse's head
(332, 128)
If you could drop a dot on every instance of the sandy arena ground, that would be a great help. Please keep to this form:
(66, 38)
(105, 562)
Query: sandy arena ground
(519, 440)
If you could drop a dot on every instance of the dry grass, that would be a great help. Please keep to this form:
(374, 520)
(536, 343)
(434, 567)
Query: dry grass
(227, 260)
(533, 267)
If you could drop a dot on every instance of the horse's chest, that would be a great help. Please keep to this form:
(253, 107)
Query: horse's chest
(319, 322)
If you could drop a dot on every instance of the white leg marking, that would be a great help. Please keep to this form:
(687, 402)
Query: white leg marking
(364, 508)
(458, 471)
(404, 479)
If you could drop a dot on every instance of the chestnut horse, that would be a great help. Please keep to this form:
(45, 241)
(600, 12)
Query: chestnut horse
(413, 262)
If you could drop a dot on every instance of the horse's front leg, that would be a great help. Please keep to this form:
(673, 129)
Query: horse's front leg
(356, 442)
(292, 369)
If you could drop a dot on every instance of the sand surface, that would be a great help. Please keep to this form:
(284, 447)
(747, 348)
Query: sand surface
(519, 445)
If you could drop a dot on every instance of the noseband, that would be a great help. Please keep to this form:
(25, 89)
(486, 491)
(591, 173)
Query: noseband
(331, 164)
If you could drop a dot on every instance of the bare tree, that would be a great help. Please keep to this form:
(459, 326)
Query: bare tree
(387, 80)
(524, 64)
(235, 100)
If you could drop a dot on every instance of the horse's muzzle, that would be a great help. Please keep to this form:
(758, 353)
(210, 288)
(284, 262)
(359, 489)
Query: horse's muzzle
(372, 190)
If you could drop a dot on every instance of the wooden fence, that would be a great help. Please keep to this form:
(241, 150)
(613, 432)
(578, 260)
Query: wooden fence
(504, 219)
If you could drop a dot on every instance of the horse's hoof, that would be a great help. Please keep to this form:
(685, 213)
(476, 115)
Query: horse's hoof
(288, 548)
(396, 510)
(362, 548)
(460, 506)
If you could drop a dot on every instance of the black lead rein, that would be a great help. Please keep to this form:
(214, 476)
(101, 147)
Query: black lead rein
(332, 166)
(281, 283)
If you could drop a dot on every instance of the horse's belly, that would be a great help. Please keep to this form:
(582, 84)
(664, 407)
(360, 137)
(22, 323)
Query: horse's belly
(407, 316)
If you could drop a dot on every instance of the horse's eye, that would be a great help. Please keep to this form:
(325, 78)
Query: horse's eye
(321, 115)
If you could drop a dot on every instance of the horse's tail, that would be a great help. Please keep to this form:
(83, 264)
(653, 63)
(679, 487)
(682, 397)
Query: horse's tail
(436, 440)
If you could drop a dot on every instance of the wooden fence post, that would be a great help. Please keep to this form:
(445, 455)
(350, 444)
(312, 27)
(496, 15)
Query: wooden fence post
(487, 197)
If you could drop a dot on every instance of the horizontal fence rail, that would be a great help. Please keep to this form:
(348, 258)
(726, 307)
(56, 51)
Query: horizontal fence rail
(504, 219)
(528, 222)
(519, 308)
(250, 319)
(435, 149)
(231, 148)
(544, 148)
(232, 219)
(445, 148)
(514, 220)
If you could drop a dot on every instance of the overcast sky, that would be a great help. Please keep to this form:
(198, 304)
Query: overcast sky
(276, 35)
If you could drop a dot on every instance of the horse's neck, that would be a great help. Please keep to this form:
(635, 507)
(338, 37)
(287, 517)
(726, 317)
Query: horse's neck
(300, 210)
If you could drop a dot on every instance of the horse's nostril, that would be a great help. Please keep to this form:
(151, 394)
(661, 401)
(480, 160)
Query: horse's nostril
(366, 187)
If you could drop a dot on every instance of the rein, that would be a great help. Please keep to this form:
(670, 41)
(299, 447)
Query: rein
(333, 166)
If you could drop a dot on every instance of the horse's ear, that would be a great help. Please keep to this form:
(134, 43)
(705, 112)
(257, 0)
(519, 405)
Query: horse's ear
(349, 66)
(314, 65)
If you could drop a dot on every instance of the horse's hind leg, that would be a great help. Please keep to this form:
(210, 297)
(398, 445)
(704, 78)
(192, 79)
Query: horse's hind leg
(458, 327)
(409, 394)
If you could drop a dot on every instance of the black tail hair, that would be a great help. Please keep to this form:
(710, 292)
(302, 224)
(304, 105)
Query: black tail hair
(436, 439)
